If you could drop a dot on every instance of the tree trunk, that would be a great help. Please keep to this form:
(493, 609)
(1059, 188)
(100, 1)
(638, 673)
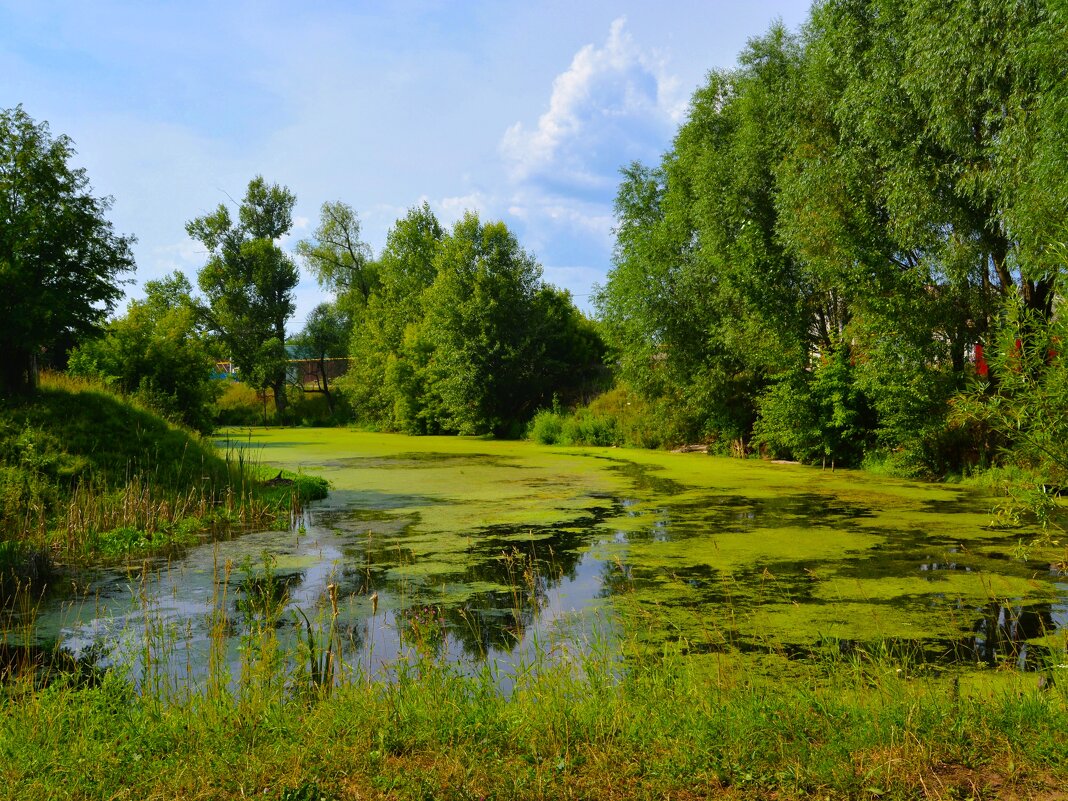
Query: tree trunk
(279, 389)
(1038, 296)
(326, 384)
(18, 372)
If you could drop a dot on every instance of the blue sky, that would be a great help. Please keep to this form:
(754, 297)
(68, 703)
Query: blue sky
(521, 111)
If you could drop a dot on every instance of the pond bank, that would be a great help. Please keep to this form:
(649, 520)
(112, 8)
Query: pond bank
(547, 622)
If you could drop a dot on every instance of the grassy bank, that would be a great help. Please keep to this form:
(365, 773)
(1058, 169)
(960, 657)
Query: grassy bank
(86, 473)
(579, 725)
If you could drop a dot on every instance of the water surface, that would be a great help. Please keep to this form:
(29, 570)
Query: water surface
(489, 550)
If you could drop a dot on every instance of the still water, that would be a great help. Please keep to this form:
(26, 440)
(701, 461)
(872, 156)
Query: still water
(502, 551)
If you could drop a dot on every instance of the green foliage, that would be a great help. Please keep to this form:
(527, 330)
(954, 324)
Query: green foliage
(581, 427)
(249, 282)
(546, 427)
(702, 302)
(462, 336)
(159, 353)
(60, 259)
(616, 417)
(339, 259)
(837, 224)
(93, 473)
(1020, 408)
(239, 404)
(383, 384)
(817, 415)
(478, 314)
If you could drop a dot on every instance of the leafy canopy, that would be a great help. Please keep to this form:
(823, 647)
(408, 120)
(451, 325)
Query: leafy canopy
(61, 261)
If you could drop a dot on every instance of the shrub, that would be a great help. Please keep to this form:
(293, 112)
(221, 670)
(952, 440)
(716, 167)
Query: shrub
(241, 405)
(546, 427)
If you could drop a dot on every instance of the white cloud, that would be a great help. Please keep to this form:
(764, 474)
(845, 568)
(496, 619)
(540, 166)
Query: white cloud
(451, 209)
(615, 103)
(607, 96)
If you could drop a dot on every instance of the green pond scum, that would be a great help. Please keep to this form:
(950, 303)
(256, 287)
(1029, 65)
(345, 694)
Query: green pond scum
(468, 618)
(699, 553)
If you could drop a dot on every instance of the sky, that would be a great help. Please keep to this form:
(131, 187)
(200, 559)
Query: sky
(520, 111)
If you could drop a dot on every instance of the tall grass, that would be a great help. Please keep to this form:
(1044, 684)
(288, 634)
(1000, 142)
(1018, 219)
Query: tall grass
(84, 472)
(578, 721)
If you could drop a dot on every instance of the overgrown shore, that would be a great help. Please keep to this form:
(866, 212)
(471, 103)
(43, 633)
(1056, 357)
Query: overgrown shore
(579, 723)
(585, 713)
(86, 473)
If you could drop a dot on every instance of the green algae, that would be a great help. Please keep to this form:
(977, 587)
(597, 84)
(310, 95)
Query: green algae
(704, 551)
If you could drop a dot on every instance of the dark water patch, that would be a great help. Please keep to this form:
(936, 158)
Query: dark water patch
(264, 596)
(643, 477)
(737, 514)
(43, 664)
(362, 521)
(355, 500)
(256, 444)
(1002, 637)
(419, 460)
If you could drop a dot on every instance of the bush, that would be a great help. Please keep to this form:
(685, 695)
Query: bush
(588, 428)
(313, 409)
(614, 418)
(546, 427)
(241, 405)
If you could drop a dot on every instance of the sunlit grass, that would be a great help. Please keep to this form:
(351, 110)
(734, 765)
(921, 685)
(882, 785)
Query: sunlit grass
(578, 721)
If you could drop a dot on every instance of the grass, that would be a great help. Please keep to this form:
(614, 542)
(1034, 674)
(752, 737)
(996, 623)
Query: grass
(87, 473)
(579, 723)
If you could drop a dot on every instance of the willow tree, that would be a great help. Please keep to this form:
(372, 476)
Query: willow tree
(704, 303)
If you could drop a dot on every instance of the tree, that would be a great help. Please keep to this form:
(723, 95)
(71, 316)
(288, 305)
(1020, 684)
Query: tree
(383, 384)
(60, 259)
(478, 315)
(158, 351)
(249, 283)
(325, 336)
(339, 259)
(461, 335)
(704, 302)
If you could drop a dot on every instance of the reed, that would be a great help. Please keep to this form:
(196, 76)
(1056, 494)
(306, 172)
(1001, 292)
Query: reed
(85, 472)
(591, 713)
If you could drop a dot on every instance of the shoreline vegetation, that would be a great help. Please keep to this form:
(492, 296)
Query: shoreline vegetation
(87, 474)
(598, 717)
(591, 715)
(585, 717)
(853, 255)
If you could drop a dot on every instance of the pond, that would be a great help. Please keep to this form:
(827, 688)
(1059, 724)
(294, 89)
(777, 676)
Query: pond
(485, 550)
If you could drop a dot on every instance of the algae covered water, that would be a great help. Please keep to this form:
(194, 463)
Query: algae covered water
(484, 550)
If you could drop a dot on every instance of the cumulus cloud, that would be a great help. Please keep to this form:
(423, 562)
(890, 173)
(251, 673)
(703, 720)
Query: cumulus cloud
(614, 100)
(451, 209)
(614, 104)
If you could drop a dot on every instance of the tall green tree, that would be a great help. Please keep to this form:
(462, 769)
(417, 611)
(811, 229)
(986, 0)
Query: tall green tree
(338, 258)
(479, 315)
(60, 259)
(249, 280)
(384, 384)
(461, 335)
(703, 302)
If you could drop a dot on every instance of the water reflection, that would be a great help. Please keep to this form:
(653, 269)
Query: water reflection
(698, 564)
